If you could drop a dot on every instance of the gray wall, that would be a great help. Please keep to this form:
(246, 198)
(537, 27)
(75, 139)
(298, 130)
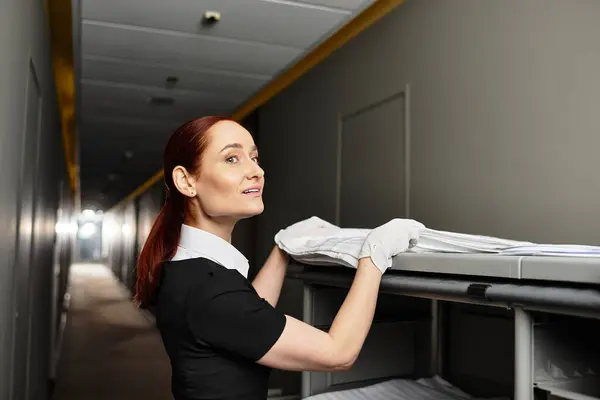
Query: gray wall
(33, 260)
(501, 116)
(120, 244)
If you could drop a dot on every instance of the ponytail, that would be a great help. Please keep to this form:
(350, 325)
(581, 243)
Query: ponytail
(185, 148)
(160, 246)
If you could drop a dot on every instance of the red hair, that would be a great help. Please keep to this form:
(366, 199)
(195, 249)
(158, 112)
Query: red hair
(184, 148)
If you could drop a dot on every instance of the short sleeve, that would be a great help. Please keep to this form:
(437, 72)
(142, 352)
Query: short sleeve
(227, 313)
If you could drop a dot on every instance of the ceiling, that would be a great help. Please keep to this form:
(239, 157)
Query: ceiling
(130, 48)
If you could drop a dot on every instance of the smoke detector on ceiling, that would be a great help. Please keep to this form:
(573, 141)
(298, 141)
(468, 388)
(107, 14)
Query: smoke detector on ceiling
(211, 17)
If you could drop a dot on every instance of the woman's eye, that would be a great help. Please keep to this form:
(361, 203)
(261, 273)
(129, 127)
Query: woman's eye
(255, 159)
(231, 159)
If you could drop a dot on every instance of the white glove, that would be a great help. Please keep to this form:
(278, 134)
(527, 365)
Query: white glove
(385, 241)
(313, 226)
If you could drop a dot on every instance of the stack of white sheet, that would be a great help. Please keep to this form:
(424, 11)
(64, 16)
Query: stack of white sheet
(434, 388)
(452, 242)
(565, 250)
(340, 246)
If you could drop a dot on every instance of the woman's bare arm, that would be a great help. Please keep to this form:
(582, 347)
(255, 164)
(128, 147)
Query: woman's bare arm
(269, 280)
(304, 347)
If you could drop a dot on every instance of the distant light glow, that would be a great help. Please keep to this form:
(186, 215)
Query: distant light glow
(109, 229)
(126, 229)
(65, 227)
(87, 230)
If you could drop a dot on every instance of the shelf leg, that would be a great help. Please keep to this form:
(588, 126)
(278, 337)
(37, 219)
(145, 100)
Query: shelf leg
(437, 337)
(307, 316)
(523, 355)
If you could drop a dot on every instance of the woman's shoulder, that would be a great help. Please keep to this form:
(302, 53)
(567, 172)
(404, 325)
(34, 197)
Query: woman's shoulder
(191, 262)
(187, 274)
(205, 278)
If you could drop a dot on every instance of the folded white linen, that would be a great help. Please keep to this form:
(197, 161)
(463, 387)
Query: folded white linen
(322, 243)
(454, 242)
(565, 250)
(434, 388)
(330, 246)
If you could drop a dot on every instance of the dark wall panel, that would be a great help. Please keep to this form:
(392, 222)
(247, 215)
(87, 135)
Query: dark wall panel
(36, 205)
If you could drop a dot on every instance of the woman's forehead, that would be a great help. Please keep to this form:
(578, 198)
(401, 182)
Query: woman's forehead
(230, 134)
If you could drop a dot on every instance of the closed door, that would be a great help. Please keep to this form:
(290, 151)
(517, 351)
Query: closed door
(373, 164)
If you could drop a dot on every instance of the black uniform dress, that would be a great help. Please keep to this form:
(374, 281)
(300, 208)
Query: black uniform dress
(214, 327)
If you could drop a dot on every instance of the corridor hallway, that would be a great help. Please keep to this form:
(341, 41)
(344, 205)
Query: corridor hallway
(473, 117)
(111, 350)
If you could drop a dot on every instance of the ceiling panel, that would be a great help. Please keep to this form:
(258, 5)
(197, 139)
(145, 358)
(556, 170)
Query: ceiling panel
(343, 4)
(120, 124)
(224, 82)
(93, 168)
(125, 99)
(296, 24)
(189, 50)
(100, 168)
(93, 112)
(130, 47)
(103, 194)
(106, 169)
(124, 134)
(109, 149)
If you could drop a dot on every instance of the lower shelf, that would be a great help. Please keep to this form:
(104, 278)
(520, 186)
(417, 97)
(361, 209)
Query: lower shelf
(574, 389)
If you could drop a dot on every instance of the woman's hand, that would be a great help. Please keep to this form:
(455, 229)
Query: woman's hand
(313, 226)
(390, 239)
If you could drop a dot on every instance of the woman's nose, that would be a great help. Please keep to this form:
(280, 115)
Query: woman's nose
(255, 172)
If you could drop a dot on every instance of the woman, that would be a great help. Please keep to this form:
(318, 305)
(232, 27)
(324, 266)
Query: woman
(223, 333)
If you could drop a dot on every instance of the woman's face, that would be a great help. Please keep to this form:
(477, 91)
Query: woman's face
(230, 182)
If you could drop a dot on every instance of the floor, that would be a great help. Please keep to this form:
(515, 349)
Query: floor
(110, 349)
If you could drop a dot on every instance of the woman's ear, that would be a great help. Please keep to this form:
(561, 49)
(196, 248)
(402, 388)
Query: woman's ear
(184, 181)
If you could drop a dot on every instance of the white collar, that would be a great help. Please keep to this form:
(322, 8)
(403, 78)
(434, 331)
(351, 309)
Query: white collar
(198, 243)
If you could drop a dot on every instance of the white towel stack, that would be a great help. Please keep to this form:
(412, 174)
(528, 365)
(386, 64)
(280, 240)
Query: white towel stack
(434, 388)
(332, 245)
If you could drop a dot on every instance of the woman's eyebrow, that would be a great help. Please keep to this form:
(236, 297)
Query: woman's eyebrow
(232, 146)
(237, 146)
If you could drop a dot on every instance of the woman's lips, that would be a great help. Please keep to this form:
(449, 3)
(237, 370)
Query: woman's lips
(254, 191)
